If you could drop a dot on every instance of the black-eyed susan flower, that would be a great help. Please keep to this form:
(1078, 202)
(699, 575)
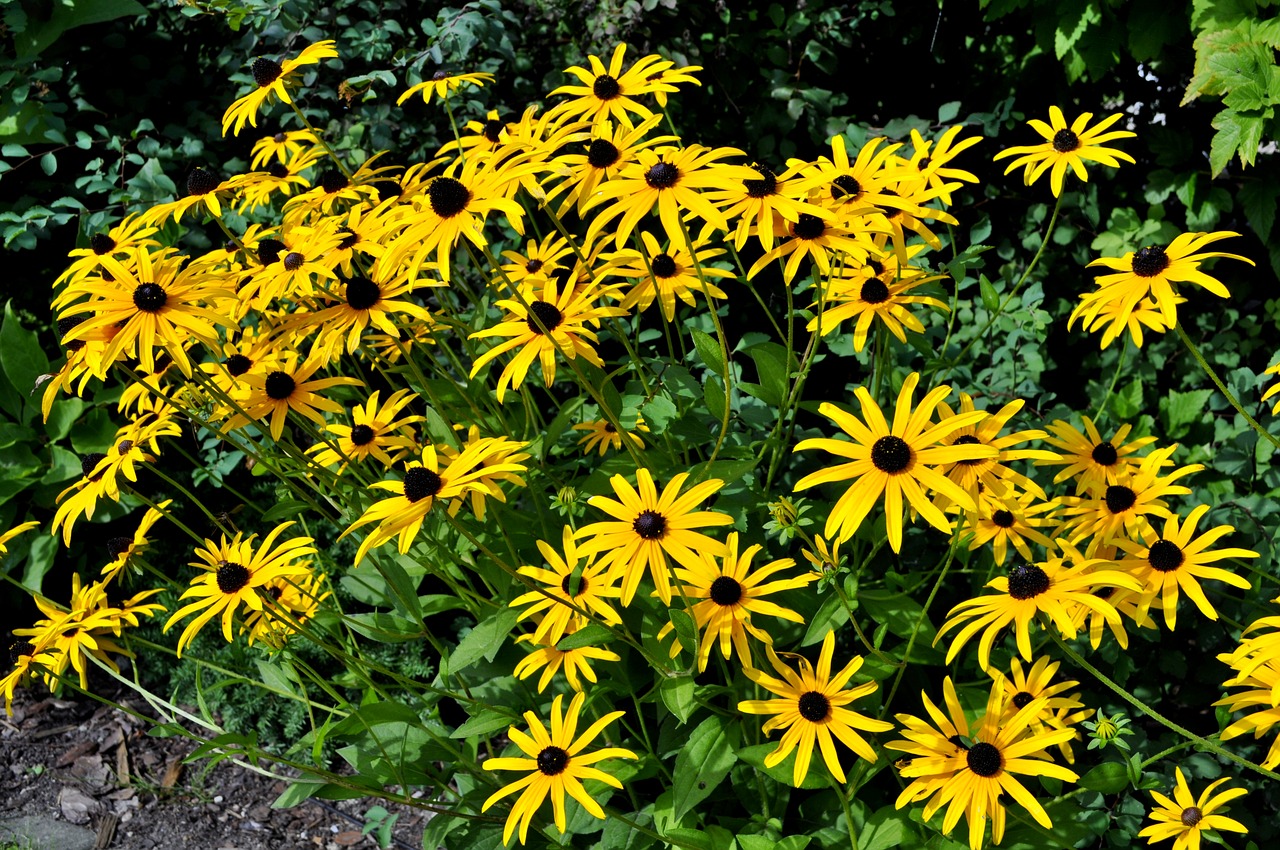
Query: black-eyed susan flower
(1178, 560)
(1118, 511)
(233, 573)
(377, 430)
(425, 482)
(153, 303)
(442, 84)
(1186, 817)
(1114, 318)
(843, 185)
(550, 658)
(610, 93)
(647, 527)
(1152, 272)
(975, 779)
(1258, 672)
(290, 387)
(121, 549)
(892, 463)
(364, 302)
(827, 242)
(1060, 708)
(204, 189)
(1029, 589)
(812, 706)
(1126, 603)
(612, 147)
(1067, 147)
(540, 257)
(1093, 460)
(575, 583)
(558, 762)
(670, 179)
(503, 462)
(667, 274)
(274, 79)
(992, 475)
(99, 479)
(551, 317)
(604, 435)
(753, 205)
(1013, 519)
(824, 557)
(930, 162)
(725, 593)
(875, 290)
(291, 601)
(282, 147)
(132, 233)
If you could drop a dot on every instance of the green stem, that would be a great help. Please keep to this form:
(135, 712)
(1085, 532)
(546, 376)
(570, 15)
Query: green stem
(1157, 716)
(320, 138)
(1204, 364)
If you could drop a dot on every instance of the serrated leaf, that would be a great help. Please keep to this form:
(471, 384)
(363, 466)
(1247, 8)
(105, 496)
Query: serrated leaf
(703, 763)
(1181, 410)
(1127, 403)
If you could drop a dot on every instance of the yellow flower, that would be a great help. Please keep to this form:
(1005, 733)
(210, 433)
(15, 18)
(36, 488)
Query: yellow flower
(609, 92)
(557, 764)
(813, 708)
(273, 79)
(442, 84)
(893, 462)
(587, 587)
(1067, 147)
(1185, 817)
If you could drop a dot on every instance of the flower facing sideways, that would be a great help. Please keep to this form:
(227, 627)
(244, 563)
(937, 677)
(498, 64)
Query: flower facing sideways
(1185, 817)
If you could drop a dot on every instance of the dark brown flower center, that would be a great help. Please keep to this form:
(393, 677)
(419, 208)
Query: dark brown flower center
(968, 440)
(814, 706)
(201, 182)
(548, 314)
(764, 187)
(1104, 454)
(533, 266)
(984, 759)
(333, 181)
(101, 244)
(278, 170)
(117, 546)
(279, 385)
(662, 175)
(349, 239)
(237, 364)
(448, 197)
(1150, 261)
(602, 153)
(552, 761)
(64, 326)
(89, 462)
(265, 71)
(1002, 518)
(1027, 581)
(1191, 816)
(650, 525)
(493, 130)
(361, 435)
(232, 577)
(1119, 498)
(874, 291)
(149, 297)
(1021, 699)
(606, 87)
(269, 251)
(726, 591)
(891, 454)
(293, 261)
(845, 186)
(808, 227)
(420, 482)
(362, 293)
(1065, 141)
(565, 583)
(664, 266)
(1165, 555)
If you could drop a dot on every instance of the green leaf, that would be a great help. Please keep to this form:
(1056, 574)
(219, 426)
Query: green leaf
(482, 724)
(888, 827)
(62, 415)
(287, 508)
(484, 640)
(948, 111)
(709, 352)
(20, 354)
(1127, 403)
(1258, 199)
(713, 397)
(686, 630)
(593, 635)
(782, 772)
(659, 412)
(49, 163)
(677, 695)
(39, 561)
(703, 763)
(39, 34)
(560, 424)
(771, 365)
(1181, 410)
